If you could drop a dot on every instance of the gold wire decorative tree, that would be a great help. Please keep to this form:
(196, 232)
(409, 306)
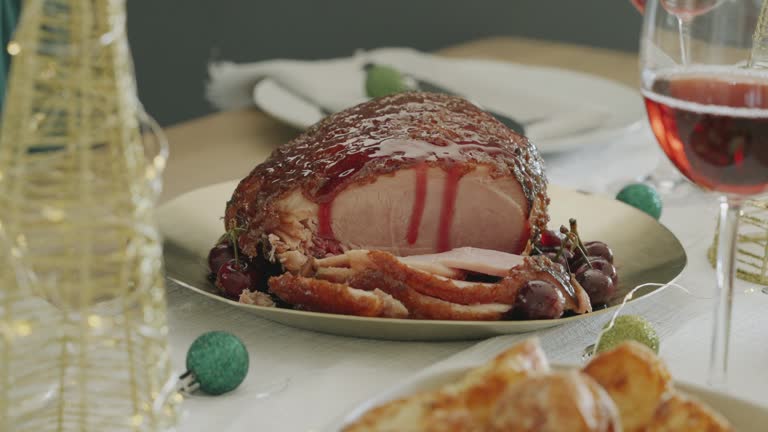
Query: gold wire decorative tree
(83, 334)
(752, 243)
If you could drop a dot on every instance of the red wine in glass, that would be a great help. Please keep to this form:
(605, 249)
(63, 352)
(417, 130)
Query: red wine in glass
(682, 7)
(689, 8)
(713, 125)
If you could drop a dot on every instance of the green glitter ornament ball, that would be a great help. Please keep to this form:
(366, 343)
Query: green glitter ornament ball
(383, 81)
(629, 327)
(219, 362)
(642, 197)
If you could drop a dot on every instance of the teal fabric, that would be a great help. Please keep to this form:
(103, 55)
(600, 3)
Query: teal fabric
(9, 15)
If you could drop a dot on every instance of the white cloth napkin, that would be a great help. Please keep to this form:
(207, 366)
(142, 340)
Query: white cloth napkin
(340, 83)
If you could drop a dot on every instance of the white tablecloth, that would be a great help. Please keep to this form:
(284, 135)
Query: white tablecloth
(300, 381)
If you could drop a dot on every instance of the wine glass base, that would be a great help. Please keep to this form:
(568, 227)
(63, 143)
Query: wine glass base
(670, 188)
(664, 186)
(667, 180)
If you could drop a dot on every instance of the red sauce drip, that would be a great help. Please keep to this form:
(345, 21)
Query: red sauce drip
(324, 220)
(419, 201)
(450, 191)
(338, 174)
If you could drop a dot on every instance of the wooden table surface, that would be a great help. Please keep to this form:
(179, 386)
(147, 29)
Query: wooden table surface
(226, 146)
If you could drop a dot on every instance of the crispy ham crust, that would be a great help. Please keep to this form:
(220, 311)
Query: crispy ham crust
(345, 284)
(323, 296)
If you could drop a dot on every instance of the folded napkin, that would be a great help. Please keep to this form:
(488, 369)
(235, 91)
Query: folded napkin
(339, 83)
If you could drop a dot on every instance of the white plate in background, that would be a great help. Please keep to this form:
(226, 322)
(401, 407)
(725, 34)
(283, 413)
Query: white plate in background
(561, 109)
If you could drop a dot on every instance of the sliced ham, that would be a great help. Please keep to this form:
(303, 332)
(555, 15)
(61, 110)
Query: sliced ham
(323, 296)
(421, 306)
(395, 272)
(483, 261)
(369, 270)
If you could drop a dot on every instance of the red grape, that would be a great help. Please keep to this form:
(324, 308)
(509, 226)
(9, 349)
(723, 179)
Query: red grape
(219, 255)
(604, 266)
(539, 300)
(235, 277)
(599, 249)
(598, 286)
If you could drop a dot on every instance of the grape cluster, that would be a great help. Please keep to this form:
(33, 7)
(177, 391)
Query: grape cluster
(233, 271)
(591, 263)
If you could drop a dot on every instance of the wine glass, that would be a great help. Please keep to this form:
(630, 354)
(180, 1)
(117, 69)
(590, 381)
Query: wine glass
(709, 113)
(685, 11)
(665, 177)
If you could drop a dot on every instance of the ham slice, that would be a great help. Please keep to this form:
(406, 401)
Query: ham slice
(323, 296)
(424, 294)
(483, 261)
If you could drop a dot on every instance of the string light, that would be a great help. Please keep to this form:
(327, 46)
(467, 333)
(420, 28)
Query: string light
(13, 48)
(22, 328)
(94, 321)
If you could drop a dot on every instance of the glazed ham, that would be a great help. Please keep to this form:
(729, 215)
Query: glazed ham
(384, 210)
(414, 173)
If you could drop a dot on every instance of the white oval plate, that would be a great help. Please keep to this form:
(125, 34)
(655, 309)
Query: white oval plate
(744, 416)
(645, 252)
(568, 109)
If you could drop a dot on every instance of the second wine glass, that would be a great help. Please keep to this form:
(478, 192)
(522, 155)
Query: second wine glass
(709, 114)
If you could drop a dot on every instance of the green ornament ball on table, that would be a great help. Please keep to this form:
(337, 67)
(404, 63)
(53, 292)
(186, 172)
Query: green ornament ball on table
(629, 327)
(642, 197)
(383, 81)
(218, 362)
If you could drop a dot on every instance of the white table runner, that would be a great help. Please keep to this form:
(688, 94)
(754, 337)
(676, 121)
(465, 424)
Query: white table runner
(300, 380)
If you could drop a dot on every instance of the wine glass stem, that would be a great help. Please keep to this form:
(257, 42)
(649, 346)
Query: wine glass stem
(726, 248)
(684, 27)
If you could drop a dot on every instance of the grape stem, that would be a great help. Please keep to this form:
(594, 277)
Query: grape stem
(563, 230)
(577, 241)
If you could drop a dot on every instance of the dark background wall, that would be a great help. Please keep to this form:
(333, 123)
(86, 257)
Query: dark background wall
(173, 40)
